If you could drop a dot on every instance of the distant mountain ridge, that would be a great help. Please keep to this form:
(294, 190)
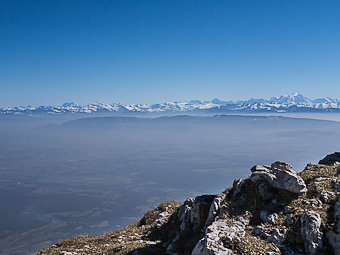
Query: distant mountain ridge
(286, 103)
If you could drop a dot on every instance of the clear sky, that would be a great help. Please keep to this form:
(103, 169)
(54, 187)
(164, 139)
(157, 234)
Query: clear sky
(53, 52)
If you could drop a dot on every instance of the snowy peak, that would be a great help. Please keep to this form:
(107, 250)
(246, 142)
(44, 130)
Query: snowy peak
(294, 98)
(294, 102)
(65, 105)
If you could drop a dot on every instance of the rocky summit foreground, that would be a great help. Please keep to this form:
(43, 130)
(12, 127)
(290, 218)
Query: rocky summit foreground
(274, 211)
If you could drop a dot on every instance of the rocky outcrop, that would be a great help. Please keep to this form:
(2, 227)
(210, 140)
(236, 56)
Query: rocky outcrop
(310, 224)
(274, 211)
(331, 159)
(191, 217)
(215, 208)
(220, 235)
(279, 175)
(193, 213)
(162, 218)
(334, 235)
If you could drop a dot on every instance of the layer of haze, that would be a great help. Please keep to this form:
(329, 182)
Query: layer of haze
(96, 174)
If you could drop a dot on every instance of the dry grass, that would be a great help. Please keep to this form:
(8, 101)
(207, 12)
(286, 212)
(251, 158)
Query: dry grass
(134, 237)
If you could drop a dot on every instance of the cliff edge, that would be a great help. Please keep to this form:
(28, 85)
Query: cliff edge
(273, 211)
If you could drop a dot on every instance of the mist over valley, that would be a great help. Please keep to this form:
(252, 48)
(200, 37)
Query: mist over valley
(62, 176)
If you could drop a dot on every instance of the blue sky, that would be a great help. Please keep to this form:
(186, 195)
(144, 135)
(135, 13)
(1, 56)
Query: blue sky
(154, 51)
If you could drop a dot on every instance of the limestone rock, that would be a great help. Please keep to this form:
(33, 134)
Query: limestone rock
(162, 218)
(279, 175)
(219, 233)
(310, 224)
(237, 186)
(215, 208)
(334, 236)
(185, 212)
(192, 213)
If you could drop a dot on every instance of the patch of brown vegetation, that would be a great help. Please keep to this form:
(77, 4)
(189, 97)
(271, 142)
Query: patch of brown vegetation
(134, 237)
(313, 171)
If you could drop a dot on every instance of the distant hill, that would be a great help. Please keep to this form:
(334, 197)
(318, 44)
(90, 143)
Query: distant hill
(286, 103)
(239, 121)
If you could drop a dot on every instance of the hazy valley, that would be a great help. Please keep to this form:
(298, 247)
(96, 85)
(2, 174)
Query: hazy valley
(66, 177)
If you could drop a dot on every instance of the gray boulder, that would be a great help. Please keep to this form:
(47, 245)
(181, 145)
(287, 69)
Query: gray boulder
(218, 233)
(334, 236)
(279, 175)
(310, 224)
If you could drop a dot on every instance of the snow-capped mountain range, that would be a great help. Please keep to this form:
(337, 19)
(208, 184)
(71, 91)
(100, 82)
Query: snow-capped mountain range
(287, 103)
